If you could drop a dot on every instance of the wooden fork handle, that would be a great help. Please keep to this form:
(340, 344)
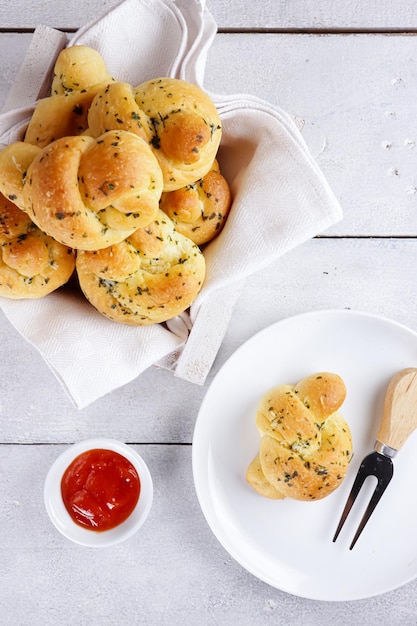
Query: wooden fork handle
(399, 418)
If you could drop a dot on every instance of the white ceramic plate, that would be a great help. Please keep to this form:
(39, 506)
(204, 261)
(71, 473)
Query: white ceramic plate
(285, 543)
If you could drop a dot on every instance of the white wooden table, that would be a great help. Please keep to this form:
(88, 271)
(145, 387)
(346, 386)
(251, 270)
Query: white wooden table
(346, 72)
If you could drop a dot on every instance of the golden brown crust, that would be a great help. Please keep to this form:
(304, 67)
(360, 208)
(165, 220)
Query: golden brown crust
(150, 277)
(32, 264)
(256, 478)
(306, 445)
(178, 119)
(14, 163)
(59, 116)
(78, 68)
(89, 176)
(13, 221)
(186, 129)
(114, 108)
(79, 73)
(199, 211)
(89, 194)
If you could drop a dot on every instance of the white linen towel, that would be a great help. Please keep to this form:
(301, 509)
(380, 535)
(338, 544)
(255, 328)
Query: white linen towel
(280, 199)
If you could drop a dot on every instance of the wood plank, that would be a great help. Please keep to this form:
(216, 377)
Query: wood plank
(312, 15)
(320, 274)
(239, 14)
(174, 571)
(358, 124)
(13, 48)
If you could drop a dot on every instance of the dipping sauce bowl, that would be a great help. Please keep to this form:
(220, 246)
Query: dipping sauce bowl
(98, 492)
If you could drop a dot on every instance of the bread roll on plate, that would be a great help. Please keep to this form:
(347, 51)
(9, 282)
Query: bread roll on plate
(306, 445)
(91, 193)
(32, 264)
(151, 277)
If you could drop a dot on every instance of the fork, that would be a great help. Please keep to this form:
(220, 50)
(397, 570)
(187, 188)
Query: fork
(399, 420)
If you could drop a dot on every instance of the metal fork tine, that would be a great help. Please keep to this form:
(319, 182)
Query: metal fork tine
(374, 464)
(379, 490)
(357, 485)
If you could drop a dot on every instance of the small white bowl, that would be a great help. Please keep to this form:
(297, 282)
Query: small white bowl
(59, 515)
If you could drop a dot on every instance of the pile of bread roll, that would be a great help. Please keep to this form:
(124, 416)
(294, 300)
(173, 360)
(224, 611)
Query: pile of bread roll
(306, 445)
(119, 185)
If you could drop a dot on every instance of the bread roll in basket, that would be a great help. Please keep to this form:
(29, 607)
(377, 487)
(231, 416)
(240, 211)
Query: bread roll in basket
(179, 120)
(150, 277)
(199, 211)
(96, 158)
(32, 264)
(86, 193)
(79, 73)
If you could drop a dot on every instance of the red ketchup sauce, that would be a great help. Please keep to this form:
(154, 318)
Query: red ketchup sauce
(100, 489)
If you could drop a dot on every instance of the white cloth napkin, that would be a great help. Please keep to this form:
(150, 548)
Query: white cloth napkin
(280, 200)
